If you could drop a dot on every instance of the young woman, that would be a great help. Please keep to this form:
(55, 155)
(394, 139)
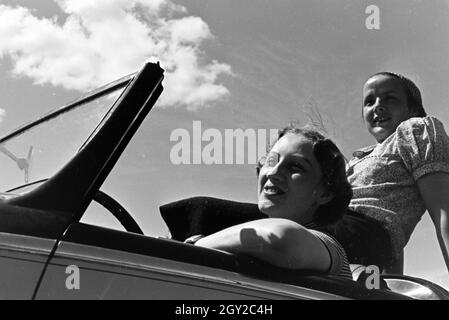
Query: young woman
(301, 185)
(396, 180)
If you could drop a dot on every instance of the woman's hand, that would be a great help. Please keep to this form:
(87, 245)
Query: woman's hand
(434, 189)
(280, 242)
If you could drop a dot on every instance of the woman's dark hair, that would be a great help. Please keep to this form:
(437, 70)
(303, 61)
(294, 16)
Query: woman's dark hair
(414, 100)
(332, 164)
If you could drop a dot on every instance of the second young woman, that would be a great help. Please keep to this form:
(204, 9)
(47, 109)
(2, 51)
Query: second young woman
(396, 180)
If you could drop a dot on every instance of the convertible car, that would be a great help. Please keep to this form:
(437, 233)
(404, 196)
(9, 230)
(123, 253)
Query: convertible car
(47, 252)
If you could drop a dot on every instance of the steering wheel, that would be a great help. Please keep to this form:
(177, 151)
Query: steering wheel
(118, 212)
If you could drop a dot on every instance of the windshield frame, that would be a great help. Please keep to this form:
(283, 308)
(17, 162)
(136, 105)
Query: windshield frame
(91, 95)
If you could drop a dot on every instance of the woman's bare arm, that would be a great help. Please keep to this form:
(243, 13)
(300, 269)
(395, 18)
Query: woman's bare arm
(280, 242)
(434, 189)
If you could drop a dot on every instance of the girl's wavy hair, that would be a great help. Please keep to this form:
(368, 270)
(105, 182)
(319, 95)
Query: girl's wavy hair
(414, 99)
(333, 168)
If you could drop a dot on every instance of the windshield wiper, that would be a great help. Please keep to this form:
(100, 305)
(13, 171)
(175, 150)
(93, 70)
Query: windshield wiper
(22, 163)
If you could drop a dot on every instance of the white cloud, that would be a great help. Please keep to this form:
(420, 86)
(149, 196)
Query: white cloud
(103, 40)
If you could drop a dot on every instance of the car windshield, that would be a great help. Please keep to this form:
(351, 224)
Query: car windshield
(40, 150)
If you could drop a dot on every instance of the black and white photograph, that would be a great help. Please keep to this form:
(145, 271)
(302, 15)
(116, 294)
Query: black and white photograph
(206, 151)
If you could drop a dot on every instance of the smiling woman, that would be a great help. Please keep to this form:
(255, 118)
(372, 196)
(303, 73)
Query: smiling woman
(301, 181)
(399, 178)
(388, 100)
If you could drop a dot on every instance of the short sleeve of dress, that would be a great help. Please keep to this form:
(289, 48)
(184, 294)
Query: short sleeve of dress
(339, 262)
(423, 146)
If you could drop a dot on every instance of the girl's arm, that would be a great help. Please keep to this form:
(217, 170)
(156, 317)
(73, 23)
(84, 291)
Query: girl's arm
(434, 189)
(280, 242)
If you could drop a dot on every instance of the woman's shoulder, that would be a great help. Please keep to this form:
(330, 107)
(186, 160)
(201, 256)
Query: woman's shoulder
(422, 143)
(421, 131)
(422, 124)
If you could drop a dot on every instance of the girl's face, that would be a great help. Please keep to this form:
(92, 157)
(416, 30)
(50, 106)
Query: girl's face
(290, 180)
(384, 106)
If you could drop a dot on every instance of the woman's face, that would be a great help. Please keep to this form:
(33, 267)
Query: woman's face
(384, 106)
(290, 180)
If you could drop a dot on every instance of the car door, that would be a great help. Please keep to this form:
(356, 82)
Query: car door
(22, 259)
(98, 263)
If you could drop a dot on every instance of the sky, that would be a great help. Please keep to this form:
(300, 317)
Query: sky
(251, 64)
